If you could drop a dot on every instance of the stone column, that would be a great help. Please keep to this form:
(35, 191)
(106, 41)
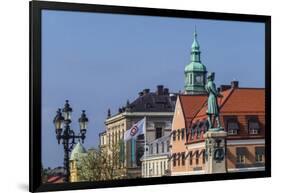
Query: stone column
(215, 151)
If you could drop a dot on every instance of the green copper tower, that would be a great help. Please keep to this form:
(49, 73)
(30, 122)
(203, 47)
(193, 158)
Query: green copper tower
(195, 71)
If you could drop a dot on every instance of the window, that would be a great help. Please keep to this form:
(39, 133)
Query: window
(168, 145)
(179, 159)
(161, 168)
(174, 160)
(182, 134)
(186, 133)
(148, 105)
(162, 144)
(157, 148)
(203, 157)
(146, 169)
(151, 149)
(240, 159)
(198, 132)
(206, 125)
(178, 134)
(158, 133)
(197, 158)
(200, 129)
(232, 127)
(193, 132)
(259, 152)
(253, 126)
(241, 155)
(183, 158)
(190, 159)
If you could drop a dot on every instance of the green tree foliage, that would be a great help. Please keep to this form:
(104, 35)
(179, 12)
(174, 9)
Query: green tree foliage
(101, 165)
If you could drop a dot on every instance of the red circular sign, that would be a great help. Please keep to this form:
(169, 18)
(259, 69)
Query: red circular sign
(134, 131)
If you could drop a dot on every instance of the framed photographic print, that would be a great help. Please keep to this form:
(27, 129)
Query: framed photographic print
(127, 96)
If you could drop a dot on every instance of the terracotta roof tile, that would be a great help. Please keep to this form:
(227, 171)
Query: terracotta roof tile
(239, 100)
(245, 100)
(191, 104)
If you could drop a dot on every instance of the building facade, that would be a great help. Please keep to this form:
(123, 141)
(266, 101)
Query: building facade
(158, 108)
(242, 115)
(102, 140)
(155, 160)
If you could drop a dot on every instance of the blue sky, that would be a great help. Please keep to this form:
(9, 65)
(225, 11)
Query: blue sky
(98, 61)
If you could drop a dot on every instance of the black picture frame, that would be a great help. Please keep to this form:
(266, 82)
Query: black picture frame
(36, 8)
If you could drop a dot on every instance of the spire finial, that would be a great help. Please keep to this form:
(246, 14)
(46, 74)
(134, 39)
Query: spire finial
(195, 32)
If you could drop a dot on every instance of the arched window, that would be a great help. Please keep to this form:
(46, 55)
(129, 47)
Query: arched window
(190, 78)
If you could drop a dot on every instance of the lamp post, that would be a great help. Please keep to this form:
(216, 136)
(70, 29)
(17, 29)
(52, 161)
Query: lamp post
(66, 135)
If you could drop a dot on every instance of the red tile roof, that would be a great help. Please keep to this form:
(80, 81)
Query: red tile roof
(191, 104)
(245, 100)
(238, 100)
(55, 179)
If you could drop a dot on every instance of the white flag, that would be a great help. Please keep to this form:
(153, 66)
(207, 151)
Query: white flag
(136, 130)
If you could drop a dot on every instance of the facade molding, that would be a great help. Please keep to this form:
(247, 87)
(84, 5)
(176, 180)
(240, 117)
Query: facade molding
(138, 114)
(196, 145)
(159, 157)
(188, 173)
(246, 142)
(246, 169)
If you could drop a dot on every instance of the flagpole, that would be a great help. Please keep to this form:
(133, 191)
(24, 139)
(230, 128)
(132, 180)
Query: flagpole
(145, 166)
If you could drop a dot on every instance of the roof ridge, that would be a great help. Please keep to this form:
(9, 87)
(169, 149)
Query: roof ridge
(227, 97)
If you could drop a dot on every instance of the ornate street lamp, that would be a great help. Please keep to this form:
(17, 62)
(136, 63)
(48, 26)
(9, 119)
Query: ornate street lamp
(66, 135)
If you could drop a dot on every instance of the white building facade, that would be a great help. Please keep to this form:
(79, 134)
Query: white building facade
(155, 159)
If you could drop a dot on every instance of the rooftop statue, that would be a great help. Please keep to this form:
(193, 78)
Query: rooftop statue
(213, 107)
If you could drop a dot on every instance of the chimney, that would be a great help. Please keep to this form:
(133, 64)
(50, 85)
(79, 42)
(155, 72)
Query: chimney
(234, 84)
(166, 91)
(160, 89)
(140, 93)
(224, 87)
(146, 91)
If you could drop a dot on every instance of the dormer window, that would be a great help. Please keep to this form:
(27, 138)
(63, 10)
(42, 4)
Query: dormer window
(193, 131)
(253, 126)
(232, 127)
(148, 106)
(198, 130)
